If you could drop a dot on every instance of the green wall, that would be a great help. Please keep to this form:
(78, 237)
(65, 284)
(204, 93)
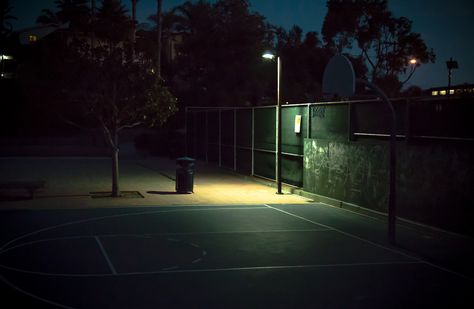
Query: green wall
(434, 180)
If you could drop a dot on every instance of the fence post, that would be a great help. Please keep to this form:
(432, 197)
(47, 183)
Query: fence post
(350, 122)
(207, 136)
(308, 121)
(253, 141)
(186, 131)
(220, 136)
(195, 135)
(407, 121)
(235, 139)
(278, 149)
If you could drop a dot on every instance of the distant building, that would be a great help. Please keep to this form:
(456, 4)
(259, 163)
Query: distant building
(457, 90)
(171, 45)
(34, 34)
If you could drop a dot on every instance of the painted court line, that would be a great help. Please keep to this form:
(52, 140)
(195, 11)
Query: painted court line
(106, 256)
(214, 208)
(172, 269)
(49, 302)
(277, 267)
(150, 235)
(419, 260)
(215, 233)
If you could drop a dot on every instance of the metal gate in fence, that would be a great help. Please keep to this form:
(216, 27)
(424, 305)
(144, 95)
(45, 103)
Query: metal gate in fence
(243, 139)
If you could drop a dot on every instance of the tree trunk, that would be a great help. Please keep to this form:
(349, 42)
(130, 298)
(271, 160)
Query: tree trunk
(134, 30)
(115, 173)
(115, 165)
(159, 26)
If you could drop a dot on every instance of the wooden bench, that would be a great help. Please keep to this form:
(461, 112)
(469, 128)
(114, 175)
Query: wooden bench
(28, 186)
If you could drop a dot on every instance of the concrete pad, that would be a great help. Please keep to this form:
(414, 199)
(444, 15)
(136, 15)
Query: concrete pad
(69, 182)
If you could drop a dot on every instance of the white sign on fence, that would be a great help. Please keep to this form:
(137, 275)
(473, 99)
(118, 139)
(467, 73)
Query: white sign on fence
(298, 124)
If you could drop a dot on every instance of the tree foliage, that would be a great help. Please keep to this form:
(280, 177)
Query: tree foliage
(385, 42)
(99, 83)
(74, 12)
(116, 91)
(112, 24)
(5, 20)
(220, 55)
(303, 62)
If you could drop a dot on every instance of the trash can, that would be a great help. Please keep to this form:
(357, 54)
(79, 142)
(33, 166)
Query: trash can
(185, 175)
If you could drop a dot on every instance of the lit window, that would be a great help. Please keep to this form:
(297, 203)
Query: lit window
(32, 38)
(451, 91)
(442, 92)
(434, 92)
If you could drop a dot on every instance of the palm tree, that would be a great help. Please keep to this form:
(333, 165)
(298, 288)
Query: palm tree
(112, 23)
(134, 25)
(159, 28)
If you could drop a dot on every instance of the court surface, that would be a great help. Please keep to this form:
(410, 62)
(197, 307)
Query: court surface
(251, 256)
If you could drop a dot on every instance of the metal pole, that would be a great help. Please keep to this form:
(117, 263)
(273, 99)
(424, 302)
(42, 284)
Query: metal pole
(253, 141)
(235, 139)
(207, 136)
(449, 80)
(308, 121)
(195, 135)
(393, 163)
(186, 131)
(220, 136)
(278, 134)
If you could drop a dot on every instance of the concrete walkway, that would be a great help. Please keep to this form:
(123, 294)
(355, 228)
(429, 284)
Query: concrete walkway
(70, 180)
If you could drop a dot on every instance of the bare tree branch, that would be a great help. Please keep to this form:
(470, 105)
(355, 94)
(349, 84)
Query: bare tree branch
(129, 126)
(70, 122)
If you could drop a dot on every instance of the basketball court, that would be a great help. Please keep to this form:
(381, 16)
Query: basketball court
(214, 256)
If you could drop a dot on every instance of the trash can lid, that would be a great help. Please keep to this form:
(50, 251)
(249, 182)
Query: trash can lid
(185, 159)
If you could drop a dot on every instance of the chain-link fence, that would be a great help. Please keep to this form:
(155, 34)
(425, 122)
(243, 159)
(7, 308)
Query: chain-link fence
(244, 138)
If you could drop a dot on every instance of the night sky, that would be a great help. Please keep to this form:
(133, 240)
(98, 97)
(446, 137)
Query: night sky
(446, 26)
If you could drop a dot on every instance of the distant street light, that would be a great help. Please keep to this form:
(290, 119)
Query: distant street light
(270, 56)
(451, 65)
(413, 66)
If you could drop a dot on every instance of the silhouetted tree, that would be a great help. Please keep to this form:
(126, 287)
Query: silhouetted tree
(117, 92)
(221, 52)
(303, 62)
(385, 42)
(159, 30)
(102, 86)
(74, 12)
(5, 18)
(113, 25)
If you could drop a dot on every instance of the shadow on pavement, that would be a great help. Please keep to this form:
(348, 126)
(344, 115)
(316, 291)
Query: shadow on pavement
(166, 192)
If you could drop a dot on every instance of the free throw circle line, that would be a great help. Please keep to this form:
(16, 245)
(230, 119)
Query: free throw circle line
(124, 215)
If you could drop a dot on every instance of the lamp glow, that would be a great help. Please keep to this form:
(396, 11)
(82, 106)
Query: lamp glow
(268, 55)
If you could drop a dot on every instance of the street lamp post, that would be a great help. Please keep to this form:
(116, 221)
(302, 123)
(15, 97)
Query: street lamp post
(269, 55)
(451, 65)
